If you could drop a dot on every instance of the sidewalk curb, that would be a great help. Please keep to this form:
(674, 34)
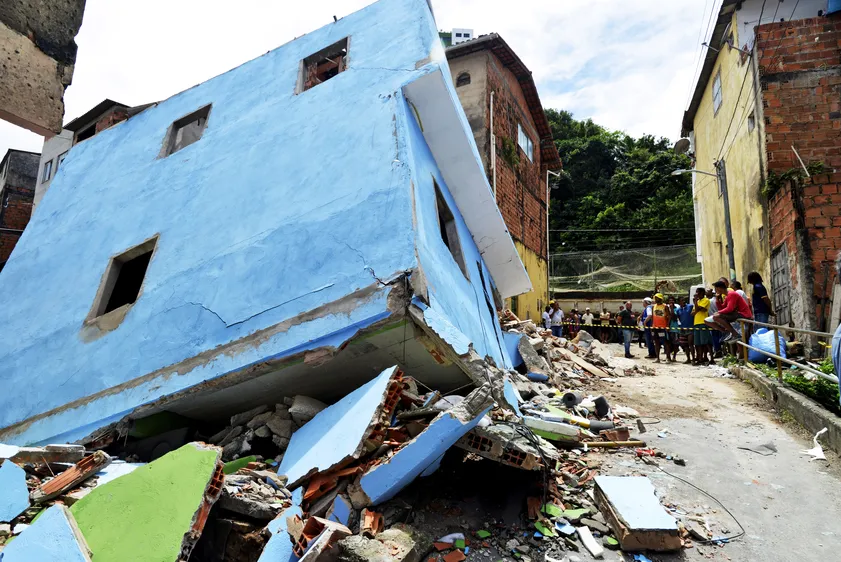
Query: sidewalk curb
(806, 411)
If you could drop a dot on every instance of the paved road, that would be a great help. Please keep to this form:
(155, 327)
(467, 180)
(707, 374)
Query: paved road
(789, 506)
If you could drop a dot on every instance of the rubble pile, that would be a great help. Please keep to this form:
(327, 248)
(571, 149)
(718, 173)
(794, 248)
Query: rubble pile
(303, 480)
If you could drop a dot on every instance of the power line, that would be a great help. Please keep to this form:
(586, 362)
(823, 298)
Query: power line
(701, 30)
(738, 97)
(616, 229)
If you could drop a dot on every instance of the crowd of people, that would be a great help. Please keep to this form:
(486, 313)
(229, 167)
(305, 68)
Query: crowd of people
(668, 324)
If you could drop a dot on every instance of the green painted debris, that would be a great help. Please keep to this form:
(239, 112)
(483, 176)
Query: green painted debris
(552, 510)
(483, 534)
(147, 514)
(460, 544)
(573, 514)
(233, 466)
(611, 542)
(544, 530)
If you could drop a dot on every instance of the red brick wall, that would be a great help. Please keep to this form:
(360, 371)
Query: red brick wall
(800, 66)
(520, 189)
(14, 214)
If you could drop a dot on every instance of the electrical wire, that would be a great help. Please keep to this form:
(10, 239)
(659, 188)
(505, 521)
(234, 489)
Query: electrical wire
(702, 33)
(716, 500)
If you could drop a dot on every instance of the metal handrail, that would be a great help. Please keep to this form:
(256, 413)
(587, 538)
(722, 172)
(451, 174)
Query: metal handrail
(787, 328)
(780, 360)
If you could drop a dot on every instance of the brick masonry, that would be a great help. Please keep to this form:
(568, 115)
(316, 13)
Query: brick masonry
(800, 70)
(521, 187)
(17, 190)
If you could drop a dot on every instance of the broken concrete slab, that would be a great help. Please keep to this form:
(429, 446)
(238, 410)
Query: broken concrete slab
(50, 453)
(280, 547)
(631, 508)
(304, 408)
(503, 444)
(389, 476)
(14, 495)
(54, 536)
(280, 425)
(168, 499)
(244, 417)
(337, 434)
(534, 363)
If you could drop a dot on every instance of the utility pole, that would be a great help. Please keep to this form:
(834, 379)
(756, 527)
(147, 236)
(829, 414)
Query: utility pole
(721, 176)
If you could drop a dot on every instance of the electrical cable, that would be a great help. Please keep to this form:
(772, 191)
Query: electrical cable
(715, 499)
(702, 33)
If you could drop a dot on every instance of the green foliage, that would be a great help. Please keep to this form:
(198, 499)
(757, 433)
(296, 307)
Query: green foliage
(819, 389)
(614, 181)
(774, 182)
(509, 153)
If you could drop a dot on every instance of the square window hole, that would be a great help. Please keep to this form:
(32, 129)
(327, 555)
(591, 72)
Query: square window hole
(323, 65)
(185, 131)
(123, 279)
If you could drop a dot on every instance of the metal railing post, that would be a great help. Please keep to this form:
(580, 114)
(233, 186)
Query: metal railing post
(777, 348)
(745, 341)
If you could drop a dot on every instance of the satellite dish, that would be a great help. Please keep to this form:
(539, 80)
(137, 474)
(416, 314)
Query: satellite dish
(682, 146)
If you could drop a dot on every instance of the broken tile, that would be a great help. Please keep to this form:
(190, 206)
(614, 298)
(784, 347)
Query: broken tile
(14, 495)
(71, 477)
(168, 499)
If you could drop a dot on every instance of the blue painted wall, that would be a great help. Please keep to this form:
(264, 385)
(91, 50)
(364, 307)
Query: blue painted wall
(461, 300)
(50, 538)
(286, 203)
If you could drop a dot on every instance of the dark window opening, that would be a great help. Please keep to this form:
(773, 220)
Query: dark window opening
(123, 279)
(85, 134)
(449, 230)
(324, 65)
(458, 34)
(463, 79)
(186, 131)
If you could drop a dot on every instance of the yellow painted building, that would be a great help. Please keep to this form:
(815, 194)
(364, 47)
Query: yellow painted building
(724, 124)
(530, 305)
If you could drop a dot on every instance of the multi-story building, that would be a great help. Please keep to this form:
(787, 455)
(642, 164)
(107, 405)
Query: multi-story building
(500, 99)
(767, 107)
(238, 242)
(18, 173)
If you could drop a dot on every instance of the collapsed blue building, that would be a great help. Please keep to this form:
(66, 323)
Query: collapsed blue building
(294, 226)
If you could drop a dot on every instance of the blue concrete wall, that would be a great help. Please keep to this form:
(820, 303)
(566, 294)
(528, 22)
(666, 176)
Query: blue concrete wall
(50, 538)
(452, 295)
(14, 495)
(286, 203)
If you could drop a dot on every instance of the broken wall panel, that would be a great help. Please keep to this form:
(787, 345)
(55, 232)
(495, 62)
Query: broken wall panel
(14, 495)
(38, 50)
(157, 511)
(54, 536)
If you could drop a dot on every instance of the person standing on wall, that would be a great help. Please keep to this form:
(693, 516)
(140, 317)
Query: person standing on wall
(763, 309)
(702, 338)
(627, 323)
(557, 320)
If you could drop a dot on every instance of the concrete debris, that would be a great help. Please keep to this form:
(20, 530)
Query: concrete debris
(55, 536)
(245, 417)
(255, 494)
(14, 495)
(71, 477)
(401, 543)
(303, 409)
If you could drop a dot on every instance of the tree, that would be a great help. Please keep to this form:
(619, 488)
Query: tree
(612, 181)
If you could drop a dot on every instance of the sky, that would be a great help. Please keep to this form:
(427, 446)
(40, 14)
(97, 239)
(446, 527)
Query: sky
(627, 64)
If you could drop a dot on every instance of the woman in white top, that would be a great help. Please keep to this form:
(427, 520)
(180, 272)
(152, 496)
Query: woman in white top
(547, 318)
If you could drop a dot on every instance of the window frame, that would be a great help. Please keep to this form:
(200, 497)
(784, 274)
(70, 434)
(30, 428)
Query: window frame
(168, 148)
(459, 79)
(343, 43)
(528, 150)
(47, 171)
(448, 227)
(717, 81)
(60, 160)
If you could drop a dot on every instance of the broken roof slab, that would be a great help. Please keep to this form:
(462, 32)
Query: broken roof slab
(14, 495)
(53, 536)
(336, 435)
(156, 512)
(280, 547)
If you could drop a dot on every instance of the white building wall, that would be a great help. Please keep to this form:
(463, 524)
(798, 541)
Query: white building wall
(53, 148)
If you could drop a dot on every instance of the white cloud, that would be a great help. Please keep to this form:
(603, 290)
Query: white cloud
(625, 64)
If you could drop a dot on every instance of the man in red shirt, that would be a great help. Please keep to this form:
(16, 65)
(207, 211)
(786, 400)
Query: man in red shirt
(735, 307)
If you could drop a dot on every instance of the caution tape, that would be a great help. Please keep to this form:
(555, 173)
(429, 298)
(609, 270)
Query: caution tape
(638, 328)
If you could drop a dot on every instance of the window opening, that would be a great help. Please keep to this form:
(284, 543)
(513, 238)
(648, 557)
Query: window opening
(717, 92)
(525, 142)
(60, 160)
(324, 65)
(48, 170)
(85, 134)
(751, 123)
(449, 230)
(463, 79)
(124, 278)
(185, 131)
